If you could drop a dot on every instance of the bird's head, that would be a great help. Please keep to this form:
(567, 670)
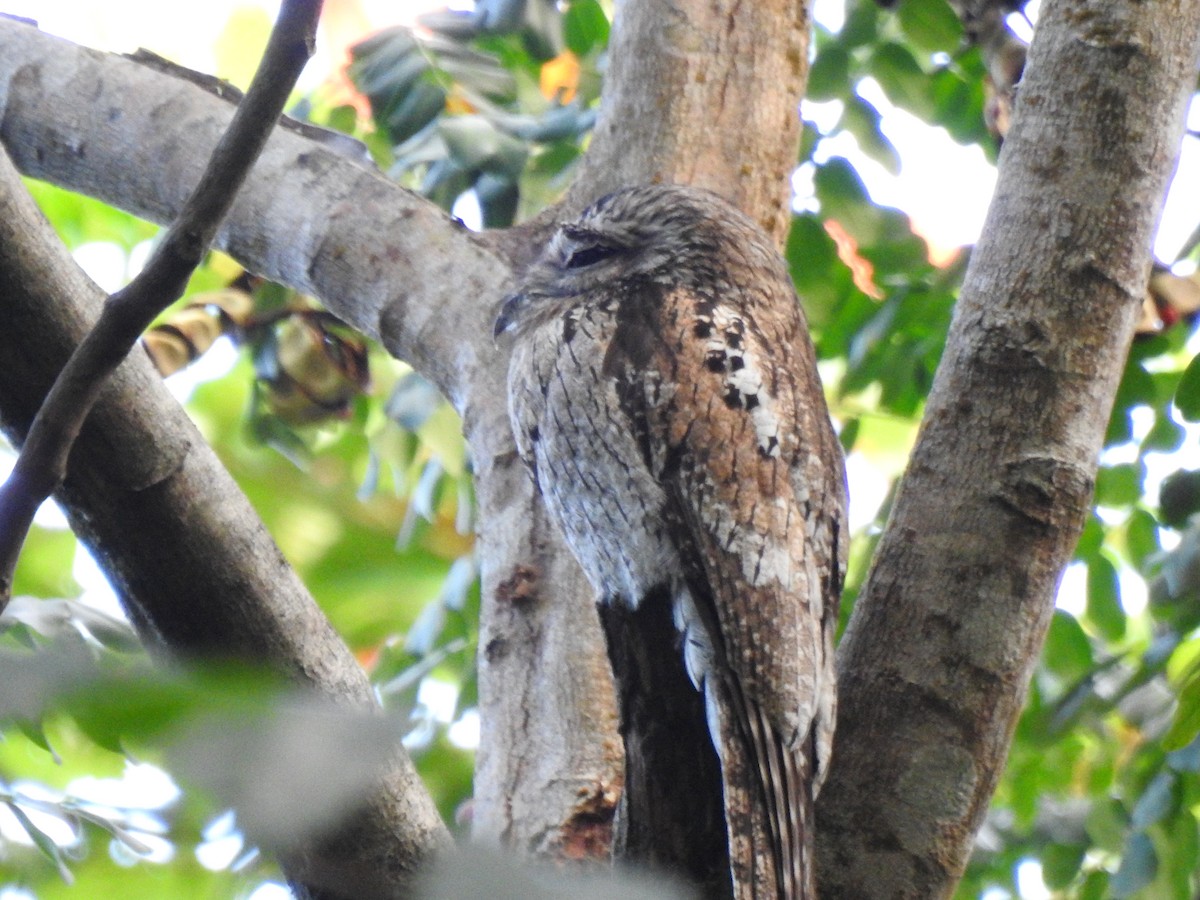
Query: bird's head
(661, 234)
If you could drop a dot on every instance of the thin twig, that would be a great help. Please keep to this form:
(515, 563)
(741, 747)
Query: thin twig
(41, 467)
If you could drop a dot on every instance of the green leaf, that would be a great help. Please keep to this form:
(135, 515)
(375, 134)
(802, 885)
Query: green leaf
(902, 78)
(1141, 538)
(1104, 599)
(1186, 723)
(1106, 824)
(930, 24)
(1119, 485)
(1060, 864)
(1187, 395)
(1090, 540)
(44, 566)
(41, 840)
(861, 119)
(829, 75)
(1095, 886)
(585, 26)
(862, 24)
(813, 263)
(1068, 651)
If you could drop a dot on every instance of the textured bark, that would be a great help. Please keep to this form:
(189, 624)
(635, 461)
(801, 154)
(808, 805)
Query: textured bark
(706, 94)
(937, 658)
(398, 268)
(180, 542)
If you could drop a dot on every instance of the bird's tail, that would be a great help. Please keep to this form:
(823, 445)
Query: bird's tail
(768, 803)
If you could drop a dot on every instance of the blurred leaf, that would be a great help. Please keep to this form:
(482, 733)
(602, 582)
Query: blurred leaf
(1107, 825)
(829, 75)
(1068, 651)
(42, 841)
(585, 26)
(1060, 864)
(44, 566)
(68, 618)
(862, 24)
(1104, 599)
(1119, 485)
(1141, 538)
(862, 120)
(254, 764)
(479, 872)
(1156, 801)
(413, 400)
(1185, 725)
(1187, 395)
(902, 78)
(930, 24)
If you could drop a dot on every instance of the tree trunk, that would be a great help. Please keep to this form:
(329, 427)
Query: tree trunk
(937, 658)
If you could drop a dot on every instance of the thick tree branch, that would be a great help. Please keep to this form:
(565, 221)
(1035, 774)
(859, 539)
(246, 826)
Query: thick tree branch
(180, 543)
(937, 659)
(705, 94)
(310, 216)
(42, 464)
(397, 268)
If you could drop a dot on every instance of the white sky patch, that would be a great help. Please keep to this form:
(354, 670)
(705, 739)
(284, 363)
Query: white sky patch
(944, 186)
(1179, 214)
(830, 14)
(1072, 590)
(271, 890)
(464, 733)
(1135, 596)
(868, 488)
(151, 786)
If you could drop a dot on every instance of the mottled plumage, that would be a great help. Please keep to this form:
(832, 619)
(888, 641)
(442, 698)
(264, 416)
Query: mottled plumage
(663, 392)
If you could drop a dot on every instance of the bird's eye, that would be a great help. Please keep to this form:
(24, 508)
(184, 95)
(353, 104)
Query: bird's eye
(588, 255)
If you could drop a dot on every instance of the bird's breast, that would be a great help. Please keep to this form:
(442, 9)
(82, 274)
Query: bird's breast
(572, 431)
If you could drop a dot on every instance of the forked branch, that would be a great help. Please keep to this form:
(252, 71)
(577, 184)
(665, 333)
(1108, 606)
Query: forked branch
(41, 467)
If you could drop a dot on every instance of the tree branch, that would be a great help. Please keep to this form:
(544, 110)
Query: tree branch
(945, 637)
(312, 215)
(401, 270)
(181, 544)
(42, 464)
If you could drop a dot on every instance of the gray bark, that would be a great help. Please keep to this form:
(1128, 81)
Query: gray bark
(180, 542)
(937, 658)
(400, 270)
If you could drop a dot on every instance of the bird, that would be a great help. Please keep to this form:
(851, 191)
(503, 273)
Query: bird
(664, 396)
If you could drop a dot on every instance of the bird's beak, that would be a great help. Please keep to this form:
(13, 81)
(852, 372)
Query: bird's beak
(508, 314)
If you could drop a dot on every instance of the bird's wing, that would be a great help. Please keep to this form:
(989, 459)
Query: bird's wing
(729, 412)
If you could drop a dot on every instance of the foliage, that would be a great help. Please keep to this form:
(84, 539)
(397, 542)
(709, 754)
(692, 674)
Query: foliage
(493, 106)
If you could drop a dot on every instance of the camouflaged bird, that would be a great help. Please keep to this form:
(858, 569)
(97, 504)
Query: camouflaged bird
(663, 393)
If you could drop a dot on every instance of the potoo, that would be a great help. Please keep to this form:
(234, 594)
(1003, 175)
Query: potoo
(664, 395)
